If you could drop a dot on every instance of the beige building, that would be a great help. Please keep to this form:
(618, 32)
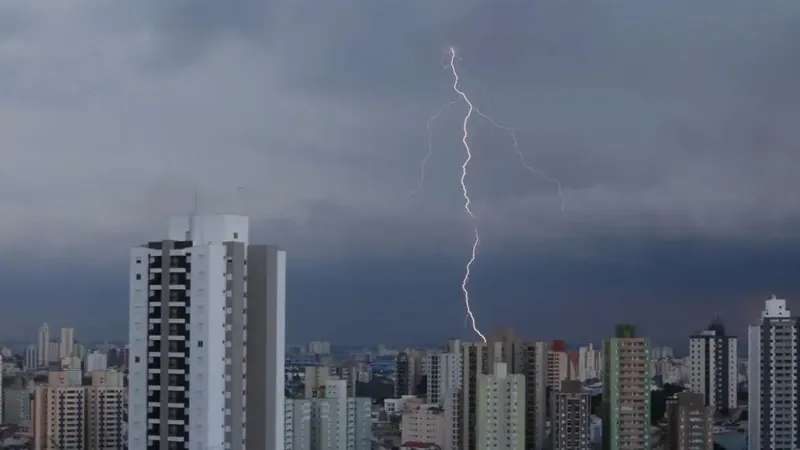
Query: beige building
(626, 391)
(557, 368)
(423, 423)
(524, 358)
(690, 423)
(68, 416)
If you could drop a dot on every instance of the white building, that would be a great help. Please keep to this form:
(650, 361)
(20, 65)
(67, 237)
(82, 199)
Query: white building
(192, 298)
(773, 380)
(445, 381)
(43, 347)
(67, 344)
(339, 422)
(501, 409)
(319, 348)
(53, 352)
(297, 424)
(96, 361)
(31, 361)
(424, 423)
(713, 359)
(590, 363)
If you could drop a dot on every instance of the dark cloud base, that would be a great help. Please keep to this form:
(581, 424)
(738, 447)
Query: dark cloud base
(669, 288)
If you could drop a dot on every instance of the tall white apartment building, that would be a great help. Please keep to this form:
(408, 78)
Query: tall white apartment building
(95, 361)
(192, 297)
(297, 424)
(774, 397)
(43, 346)
(337, 422)
(590, 363)
(713, 357)
(31, 361)
(445, 381)
(319, 348)
(423, 423)
(54, 352)
(501, 409)
(67, 343)
(528, 358)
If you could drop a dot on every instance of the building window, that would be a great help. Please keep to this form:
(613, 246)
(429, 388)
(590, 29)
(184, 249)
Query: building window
(136, 359)
(138, 276)
(236, 235)
(200, 344)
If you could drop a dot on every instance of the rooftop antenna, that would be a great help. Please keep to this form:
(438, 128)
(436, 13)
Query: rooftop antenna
(190, 231)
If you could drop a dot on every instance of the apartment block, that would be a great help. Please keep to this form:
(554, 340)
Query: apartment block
(501, 409)
(206, 313)
(774, 393)
(445, 381)
(626, 391)
(68, 416)
(337, 422)
(557, 365)
(424, 423)
(713, 357)
(690, 423)
(571, 413)
(298, 426)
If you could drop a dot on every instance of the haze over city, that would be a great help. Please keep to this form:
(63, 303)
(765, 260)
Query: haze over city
(671, 125)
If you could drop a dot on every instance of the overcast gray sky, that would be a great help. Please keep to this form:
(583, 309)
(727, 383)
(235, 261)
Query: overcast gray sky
(672, 126)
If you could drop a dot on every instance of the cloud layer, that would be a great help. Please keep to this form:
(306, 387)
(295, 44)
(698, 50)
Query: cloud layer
(664, 122)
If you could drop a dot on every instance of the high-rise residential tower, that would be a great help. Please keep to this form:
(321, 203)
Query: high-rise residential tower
(501, 410)
(43, 347)
(31, 361)
(557, 365)
(533, 364)
(626, 391)
(475, 362)
(193, 297)
(67, 343)
(713, 356)
(571, 411)
(530, 360)
(774, 390)
(445, 381)
(689, 423)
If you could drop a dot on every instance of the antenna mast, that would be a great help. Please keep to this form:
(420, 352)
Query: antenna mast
(190, 231)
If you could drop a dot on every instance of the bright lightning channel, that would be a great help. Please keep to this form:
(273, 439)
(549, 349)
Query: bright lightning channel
(465, 192)
(465, 165)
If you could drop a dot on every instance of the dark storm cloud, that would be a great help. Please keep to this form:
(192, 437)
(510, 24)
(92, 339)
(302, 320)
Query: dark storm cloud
(667, 123)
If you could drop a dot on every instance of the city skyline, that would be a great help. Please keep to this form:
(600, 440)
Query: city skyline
(675, 165)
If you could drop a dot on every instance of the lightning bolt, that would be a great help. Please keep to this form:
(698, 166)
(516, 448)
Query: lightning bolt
(464, 168)
(465, 192)
(430, 145)
(523, 161)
